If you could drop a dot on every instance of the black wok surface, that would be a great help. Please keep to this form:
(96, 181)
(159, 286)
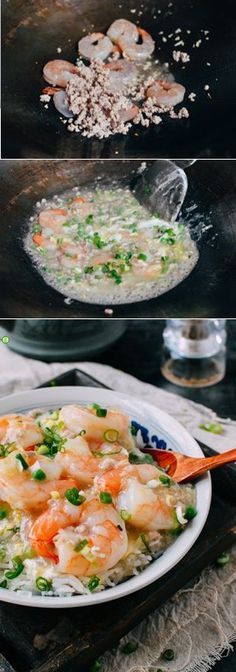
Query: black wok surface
(209, 291)
(34, 29)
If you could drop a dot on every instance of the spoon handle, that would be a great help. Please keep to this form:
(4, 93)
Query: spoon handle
(217, 460)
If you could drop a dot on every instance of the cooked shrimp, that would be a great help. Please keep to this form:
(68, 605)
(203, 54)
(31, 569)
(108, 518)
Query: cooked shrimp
(148, 510)
(59, 514)
(137, 51)
(123, 28)
(95, 46)
(19, 488)
(61, 103)
(59, 72)
(77, 419)
(103, 530)
(129, 113)
(113, 479)
(53, 219)
(78, 461)
(98, 524)
(121, 74)
(166, 93)
(20, 429)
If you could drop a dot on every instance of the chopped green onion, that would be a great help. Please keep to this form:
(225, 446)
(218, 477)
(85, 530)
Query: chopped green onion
(176, 531)
(3, 450)
(73, 496)
(145, 542)
(43, 450)
(168, 654)
(130, 647)
(3, 513)
(223, 559)
(111, 435)
(214, 428)
(43, 584)
(101, 412)
(22, 461)
(134, 458)
(82, 433)
(125, 515)
(165, 480)
(39, 475)
(3, 584)
(93, 583)
(105, 498)
(88, 269)
(2, 554)
(79, 547)
(95, 666)
(142, 256)
(190, 512)
(18, 567)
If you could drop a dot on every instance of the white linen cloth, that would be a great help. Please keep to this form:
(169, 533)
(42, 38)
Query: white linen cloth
(198, 623)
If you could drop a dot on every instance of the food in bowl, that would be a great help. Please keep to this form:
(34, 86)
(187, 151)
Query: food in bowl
(115, 83)
(101, 246)
(82, 508)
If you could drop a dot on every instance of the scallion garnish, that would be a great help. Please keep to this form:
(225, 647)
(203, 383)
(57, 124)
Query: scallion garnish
(105, 497)
(100, 412)
(145, 542)
(190, 512)
(129, 648)
(93, 583)
(18, 567)
(223, 559)
(81, 544)
(22, 461)
(3, 513)
(135, 458)
(165, 480)
(125, 515)
(3, 584)
(142, 256)
(44, 585)
(96, 666)
(82, 433)
(111, 435)
(168, 654)
(43, 450)
(73, 496)
(39, 475)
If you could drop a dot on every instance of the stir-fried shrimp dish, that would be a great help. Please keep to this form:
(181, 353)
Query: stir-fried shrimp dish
(101, 246)
(117, 82)
(82, 507)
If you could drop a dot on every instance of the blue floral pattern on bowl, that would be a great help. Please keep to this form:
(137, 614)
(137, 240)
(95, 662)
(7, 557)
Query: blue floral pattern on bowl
(143, 437)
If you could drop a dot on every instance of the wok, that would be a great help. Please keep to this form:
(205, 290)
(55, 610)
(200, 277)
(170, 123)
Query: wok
(34, 29)
(209, 291)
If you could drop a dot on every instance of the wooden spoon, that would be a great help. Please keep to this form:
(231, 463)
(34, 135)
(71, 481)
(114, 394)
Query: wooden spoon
(183, 468)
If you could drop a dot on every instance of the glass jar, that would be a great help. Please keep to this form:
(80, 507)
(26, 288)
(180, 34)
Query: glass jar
(194, 353)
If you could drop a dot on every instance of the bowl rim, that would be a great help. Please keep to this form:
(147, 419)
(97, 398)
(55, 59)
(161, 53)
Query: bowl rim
(50, 397)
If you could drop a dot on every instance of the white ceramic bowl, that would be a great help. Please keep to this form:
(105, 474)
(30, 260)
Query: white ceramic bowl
(161, 427)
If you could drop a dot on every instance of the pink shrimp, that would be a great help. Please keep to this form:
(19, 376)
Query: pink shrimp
(137, 51)
(53, 219)
(59, 72)
(113, 479)
(122, 74)
(95, 46)
(165, 93)
(98, 526)
(20, 429)
(121, 28)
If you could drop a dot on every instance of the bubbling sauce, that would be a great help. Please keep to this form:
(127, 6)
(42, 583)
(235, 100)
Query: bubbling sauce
(102, 247)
